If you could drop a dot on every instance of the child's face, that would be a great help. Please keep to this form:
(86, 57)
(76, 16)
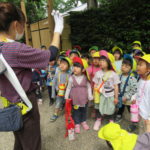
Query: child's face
(96, 61)
(92, 52)
(103, 64)
(135, 45)
(73, 55)
(51, 63)
(142, 67)
(77, 70)
(125, 68)
(63, 65)
(117, 56)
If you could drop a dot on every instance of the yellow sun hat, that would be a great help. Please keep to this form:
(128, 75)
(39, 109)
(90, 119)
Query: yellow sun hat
(84, 63)
(145, 58)
(137, 48)
(96, 55)
(112, 60)
(137, 42)
(115, 48)
(68, 60)
(120, 139)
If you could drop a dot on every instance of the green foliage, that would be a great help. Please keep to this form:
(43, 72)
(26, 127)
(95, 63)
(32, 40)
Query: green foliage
(119, 22)
(36, 9)
(63, 6)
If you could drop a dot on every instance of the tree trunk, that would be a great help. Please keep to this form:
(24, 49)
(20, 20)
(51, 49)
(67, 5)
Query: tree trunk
(92, 4)
(50, 18)
(27, 26)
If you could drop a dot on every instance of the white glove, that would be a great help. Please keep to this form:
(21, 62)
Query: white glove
(59, 21)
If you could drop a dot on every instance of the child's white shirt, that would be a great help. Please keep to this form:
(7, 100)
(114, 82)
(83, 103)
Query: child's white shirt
(143, 98)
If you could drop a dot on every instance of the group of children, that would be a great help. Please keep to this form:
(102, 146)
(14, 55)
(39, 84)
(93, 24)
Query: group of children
(109, 82)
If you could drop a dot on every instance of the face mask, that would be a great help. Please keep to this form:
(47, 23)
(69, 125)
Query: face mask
(19, 36)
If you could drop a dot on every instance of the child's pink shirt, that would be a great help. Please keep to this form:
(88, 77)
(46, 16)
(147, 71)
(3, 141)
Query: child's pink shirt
(91, 71)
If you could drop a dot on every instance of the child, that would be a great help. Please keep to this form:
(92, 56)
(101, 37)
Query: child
(92, 69)
(106, 82)
(117, 138)
(51, 72)
(136, 44)
(127, 88)
(142, 96)
(59, 84)
(43, 47)
(92, 50)
(74, 53)
(79, 90)
(36, 79)
(120, 139)
(117, 52)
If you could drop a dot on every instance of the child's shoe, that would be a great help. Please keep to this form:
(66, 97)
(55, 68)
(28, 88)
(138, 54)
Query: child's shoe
(118, 118)
(97, 124)
(132, 127)
(77, 128)
(85, 125)
(54, 118)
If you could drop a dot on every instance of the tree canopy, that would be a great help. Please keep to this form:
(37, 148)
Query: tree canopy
(118, 23)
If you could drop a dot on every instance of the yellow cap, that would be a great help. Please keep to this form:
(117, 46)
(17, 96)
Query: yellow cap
(112, 60)
(68, 60)
(145, 58)
(85, 65)
(96, 54)
(137, 48)
(117, 48)
(120, 139)
(137, 42)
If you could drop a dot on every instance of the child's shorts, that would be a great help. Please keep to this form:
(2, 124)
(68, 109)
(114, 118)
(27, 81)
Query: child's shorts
(59, 102)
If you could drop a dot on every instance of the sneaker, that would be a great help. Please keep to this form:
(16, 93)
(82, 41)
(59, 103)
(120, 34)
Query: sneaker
(97, 124)
(132, 128)
(51, 102)
(77, 128)
(118, 118)
(85, 125)
(53, 118)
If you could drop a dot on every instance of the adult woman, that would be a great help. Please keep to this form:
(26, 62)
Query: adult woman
(22, 59)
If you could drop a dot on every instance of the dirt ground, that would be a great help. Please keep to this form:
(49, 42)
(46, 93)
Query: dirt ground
(53, 134)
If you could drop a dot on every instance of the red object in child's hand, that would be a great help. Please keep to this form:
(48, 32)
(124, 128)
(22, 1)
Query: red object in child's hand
(68, 117)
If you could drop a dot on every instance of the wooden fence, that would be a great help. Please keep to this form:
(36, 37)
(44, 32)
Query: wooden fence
(40, 35)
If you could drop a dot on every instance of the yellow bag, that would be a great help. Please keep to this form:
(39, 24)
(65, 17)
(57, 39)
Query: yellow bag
(96, 96)
(23, 107)
(61, 90)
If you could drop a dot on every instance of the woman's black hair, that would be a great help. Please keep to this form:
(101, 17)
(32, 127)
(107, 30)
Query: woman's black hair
(9, 13)
(108, 62)
(78, 65)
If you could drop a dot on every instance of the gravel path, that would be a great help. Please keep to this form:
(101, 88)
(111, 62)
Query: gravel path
(53, 134)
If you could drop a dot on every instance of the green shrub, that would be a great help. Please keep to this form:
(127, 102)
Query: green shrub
(119, 23)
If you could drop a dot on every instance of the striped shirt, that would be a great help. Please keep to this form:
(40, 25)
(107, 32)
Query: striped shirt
(22, 59)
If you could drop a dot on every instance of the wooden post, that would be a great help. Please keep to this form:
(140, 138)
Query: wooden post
(27, 26)
(50, 18)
